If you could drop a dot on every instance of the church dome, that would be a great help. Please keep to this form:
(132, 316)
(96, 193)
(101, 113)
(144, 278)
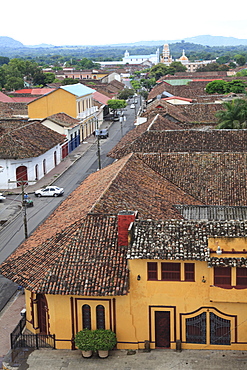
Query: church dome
(183, 57)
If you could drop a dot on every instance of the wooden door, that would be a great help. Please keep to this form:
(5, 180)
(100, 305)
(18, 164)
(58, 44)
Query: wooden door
(21, 175)
(42, 312)
(162, 329)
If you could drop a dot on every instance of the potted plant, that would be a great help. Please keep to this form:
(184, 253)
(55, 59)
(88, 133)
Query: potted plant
(84, 340)
(105, 340)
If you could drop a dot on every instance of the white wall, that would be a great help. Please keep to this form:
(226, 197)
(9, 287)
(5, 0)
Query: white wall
(10, 166)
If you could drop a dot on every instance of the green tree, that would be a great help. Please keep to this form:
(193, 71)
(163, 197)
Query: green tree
(115, 104)
(178, 66)
(233, 116)
(69, 81)
(235, 86)
(4, 60)
(49, 77)
(125, 94)
(217, 86)
(160, 70)
(13, 83)
(136, 85)
(148, 83)
(240, 59)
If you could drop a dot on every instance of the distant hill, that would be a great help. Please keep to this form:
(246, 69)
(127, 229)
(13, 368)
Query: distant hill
(40, 46)
(205, 40)
(8, 42)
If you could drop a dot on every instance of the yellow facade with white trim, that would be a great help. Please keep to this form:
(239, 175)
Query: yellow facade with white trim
(132, 317)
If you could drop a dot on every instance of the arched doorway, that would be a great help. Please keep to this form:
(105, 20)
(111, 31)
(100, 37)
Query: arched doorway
(42, 313)
(21, 175)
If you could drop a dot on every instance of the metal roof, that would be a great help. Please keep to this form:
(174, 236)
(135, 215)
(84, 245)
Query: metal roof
(78, 89)
(213, 213)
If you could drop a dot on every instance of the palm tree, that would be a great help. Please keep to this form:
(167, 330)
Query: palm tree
(234, 115)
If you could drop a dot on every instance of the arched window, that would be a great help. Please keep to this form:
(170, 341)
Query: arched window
(86, 316)
(36, 172)
(44, 166)
(55, 158)
(100, 316)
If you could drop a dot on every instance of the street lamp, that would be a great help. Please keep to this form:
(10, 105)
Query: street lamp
(122, 119)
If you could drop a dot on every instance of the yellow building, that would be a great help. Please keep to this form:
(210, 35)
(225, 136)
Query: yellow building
(167, 283)
(75, 100)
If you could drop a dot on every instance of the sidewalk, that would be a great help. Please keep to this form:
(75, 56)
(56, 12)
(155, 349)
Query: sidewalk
(9, 318)
(68, 161)
(10, 314)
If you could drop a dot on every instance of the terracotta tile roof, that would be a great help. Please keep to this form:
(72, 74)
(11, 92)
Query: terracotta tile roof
(183, 240)
(133, 188)
(184, 141)
(11, 109)
(101, 98)
(83, 259)
(63, 119)
(157, 90)
(212, 178)
(5, 98)
(23, 139)
(157, 123)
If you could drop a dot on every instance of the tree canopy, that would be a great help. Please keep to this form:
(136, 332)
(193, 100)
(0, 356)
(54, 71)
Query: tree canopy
(115, 104)
(225, 87)
(234, 115)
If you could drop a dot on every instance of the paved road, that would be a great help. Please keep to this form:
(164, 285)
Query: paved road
(12, 235)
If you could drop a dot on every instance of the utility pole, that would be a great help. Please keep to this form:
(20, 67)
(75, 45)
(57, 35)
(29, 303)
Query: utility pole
(23, 204)
(98, 142)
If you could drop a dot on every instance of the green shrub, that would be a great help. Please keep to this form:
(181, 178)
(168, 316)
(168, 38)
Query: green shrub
(104, 339)
(84, 340)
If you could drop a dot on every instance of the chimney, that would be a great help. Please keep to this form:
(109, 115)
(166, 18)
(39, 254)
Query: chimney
(125, 218)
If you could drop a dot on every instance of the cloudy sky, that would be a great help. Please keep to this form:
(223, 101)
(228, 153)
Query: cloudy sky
(98, 22)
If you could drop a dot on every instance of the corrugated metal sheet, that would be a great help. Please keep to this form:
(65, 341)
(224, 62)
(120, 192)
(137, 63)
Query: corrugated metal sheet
(212, 213)
(78, 89)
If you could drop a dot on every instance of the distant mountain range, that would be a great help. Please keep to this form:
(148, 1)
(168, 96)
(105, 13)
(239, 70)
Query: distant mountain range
(206, 40)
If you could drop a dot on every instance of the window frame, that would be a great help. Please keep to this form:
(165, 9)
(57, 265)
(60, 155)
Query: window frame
(241, 277)
(191, 272)
(152, 271)
(222, 276)
(171, 273)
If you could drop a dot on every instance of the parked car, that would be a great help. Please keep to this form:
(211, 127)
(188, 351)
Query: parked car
(49, 191)
(132, 106)
(102, 134)
(2, 197)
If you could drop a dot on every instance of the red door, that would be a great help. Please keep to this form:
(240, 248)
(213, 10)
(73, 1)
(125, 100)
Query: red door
(162, 329)
(42, 312)
(21, 174)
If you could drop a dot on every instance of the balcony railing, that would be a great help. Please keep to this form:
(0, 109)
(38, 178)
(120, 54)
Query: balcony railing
(88, 112)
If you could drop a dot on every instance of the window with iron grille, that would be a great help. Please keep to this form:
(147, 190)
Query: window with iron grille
(100, 316)
(220, 330)
(152, 271)
(241, 276)
(170, 271)
(196, 329)
(222, 276)
(86, 316)
(189, 272)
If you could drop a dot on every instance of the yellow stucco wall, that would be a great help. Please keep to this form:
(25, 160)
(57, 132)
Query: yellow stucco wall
(55, 102)
(135, 313)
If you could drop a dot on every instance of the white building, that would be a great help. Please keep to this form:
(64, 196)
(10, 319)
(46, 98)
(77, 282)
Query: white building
(135, 59)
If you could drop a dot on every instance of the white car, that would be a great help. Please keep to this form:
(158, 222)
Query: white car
(132, 106)
(49, 191)
(2, 197)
